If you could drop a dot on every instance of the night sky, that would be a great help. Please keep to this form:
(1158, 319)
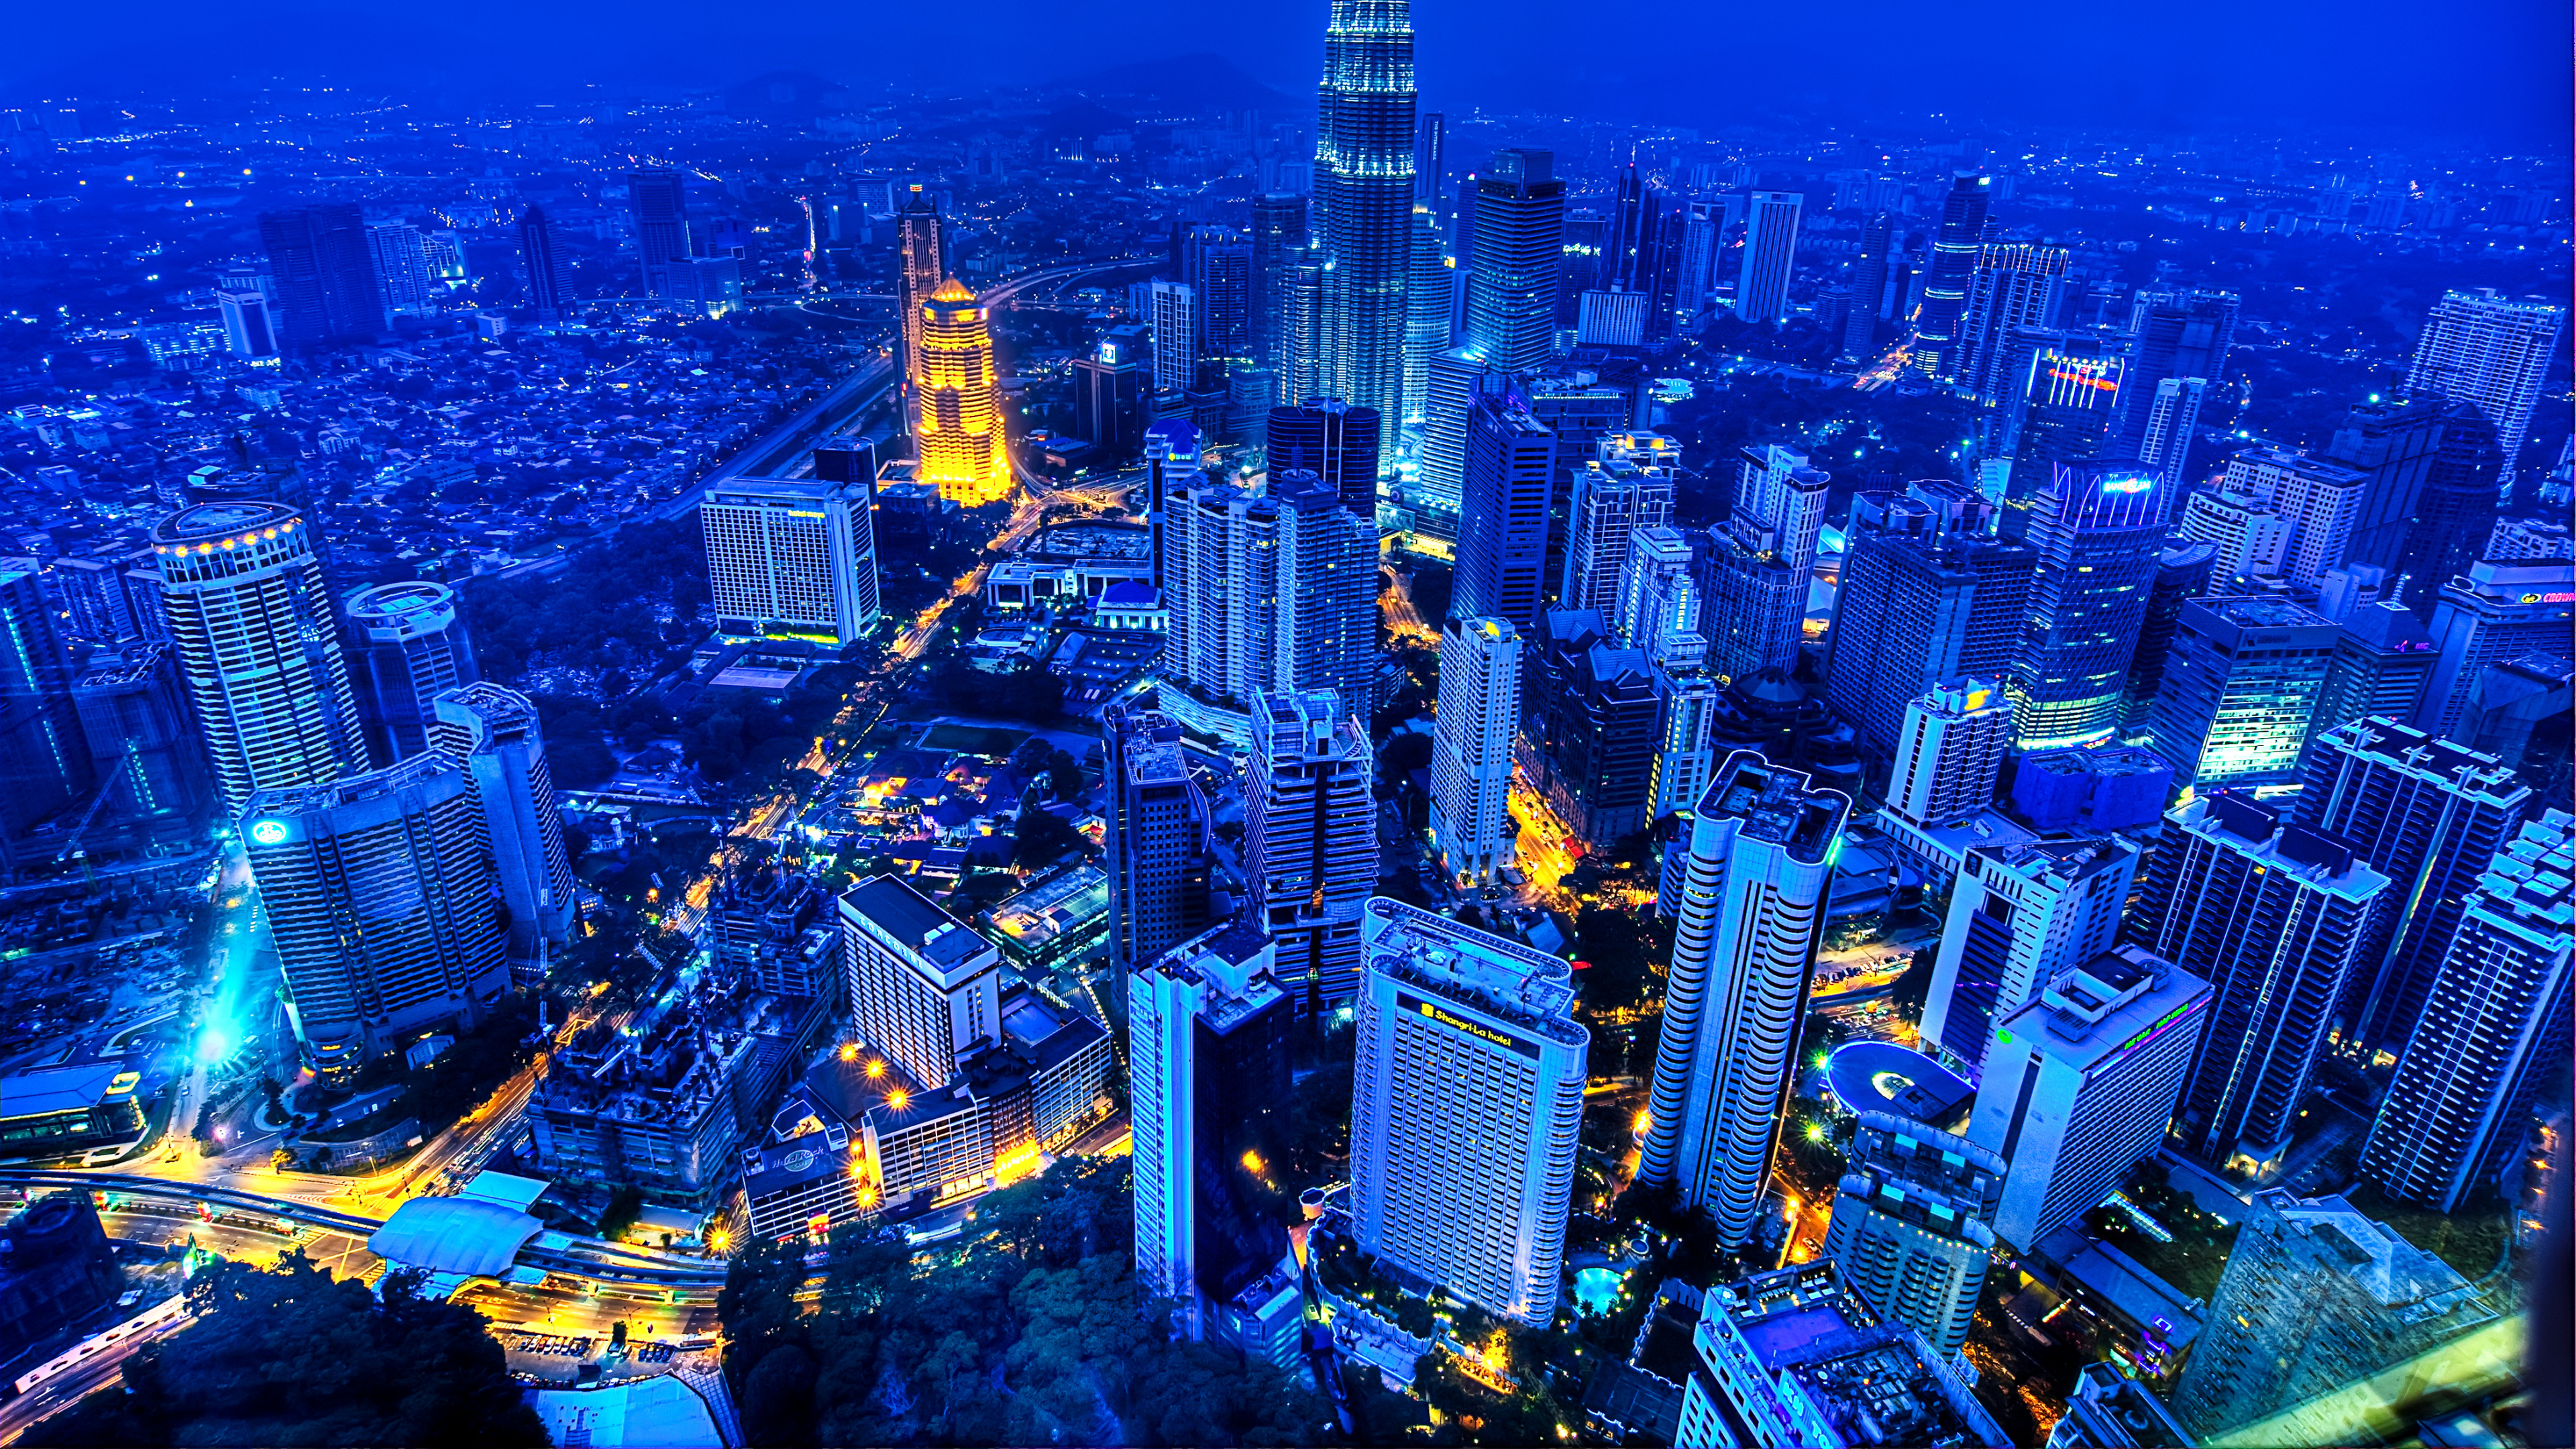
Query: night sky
(2493, 73)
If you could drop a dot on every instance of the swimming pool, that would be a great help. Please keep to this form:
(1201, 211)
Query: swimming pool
(1596, 1290)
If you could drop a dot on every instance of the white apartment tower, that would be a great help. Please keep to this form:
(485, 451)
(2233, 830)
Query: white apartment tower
(792, 556)
(1310, 840)
(1950, 752)
(2019, 916)
(1471, 754)
(1178, 328)
(2486, 348)
(1779, 505)
(923, 987)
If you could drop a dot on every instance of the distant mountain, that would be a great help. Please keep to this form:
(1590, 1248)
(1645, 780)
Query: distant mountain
(1184, 85)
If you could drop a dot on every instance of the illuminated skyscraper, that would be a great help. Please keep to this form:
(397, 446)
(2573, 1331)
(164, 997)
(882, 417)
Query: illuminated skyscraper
(921, 264)
(1278, 239)
(958, 425)
(1310, 840)
(1945, 288)
(1502, 524)
(793, 555)
(1427, 309)
(2171, 335)
(1518, 260)
(258, 647)
(409, 647)
(1770, 255)
(2063, 410)
(1471, 755)
(2098, 539)
(1333, 440)
(2019, 916)
(1613, 500)
(1912, 1225)
(2240, 683)
(1364, 205)
(1157, 837)
(2492, 351)
(1950, 753)
(1918, 605)
(403, 280)
(46, 761)
(2013, 287)
(1178, 331)
(494, 732)
(135, 713)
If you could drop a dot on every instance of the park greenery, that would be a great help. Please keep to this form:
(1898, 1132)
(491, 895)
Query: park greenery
(290, 1355)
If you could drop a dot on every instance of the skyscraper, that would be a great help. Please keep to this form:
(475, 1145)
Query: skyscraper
(1466, 1109)
(1770, 256)
(404, 286)
(1945, 287)
(2063, 409)
(2240, 683)
(2495, 611)
(1458, 378)
(2179, 334)
(141, 737)
(1869, 282)
(792, 556)
(959, 424)
(1171, 469)
(2020, 916)
(2447, 530)
(1703, 241)
(406, 851)
(258, 648)
(2428, 814)
(1219, 272)
(1659, 601)
(407, 647)
(322, 265)
(543, 259)
(47, 761)
(1310, 840)
(2013, 287)
(1278, 236)
(1324, 634)
(1518, 260)
(2080, 1081)
(2098, 538)
(2173, 418)
(1174, 317)
(1157, 837)
(2183, 572)
(1428, 313)
(1950, 753)
(924, 988)
(1779, 505)
(1588, 720)
(661, 227)
(1363, 204)
(2110, 1410)
(1221, 580)
(1752, 913)
(1509, 477)
(2492, 1029)
(493, 731)
(2380, 661)
(1613, 500)
(921, 264)
(2492, 351)
(1471, 754)
(1333, 440)
(1916, 607)
(2319, 501)
(1912, 1229)
(2392, 441)
(2274, 916)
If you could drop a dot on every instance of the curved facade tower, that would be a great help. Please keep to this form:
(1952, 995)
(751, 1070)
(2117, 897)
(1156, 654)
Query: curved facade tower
(410, 646)
(1753, 909)
(1945, 286)
(1364, 205)
(958, 422)
(258, 647)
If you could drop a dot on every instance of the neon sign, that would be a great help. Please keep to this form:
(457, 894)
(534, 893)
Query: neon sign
(269, 832)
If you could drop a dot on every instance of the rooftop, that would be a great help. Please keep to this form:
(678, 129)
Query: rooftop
(919, 923)
(1776, 805)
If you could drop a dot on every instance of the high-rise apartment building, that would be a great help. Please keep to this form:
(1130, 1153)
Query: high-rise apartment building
(1431, 312)
(2080, 1081)
(1363, 203)
(662, 233)
(406, 851)
(1517, 261)
(258, 647)
(2013, 287)
(1770, 256)
(792, 556)
(2319, 501)
(1509, 477)
(1588, 727)
(1912, 1229)
(1157, 839)
(2492, 1028)
(2110, 1410)
(1954, 262)
(1779, 505)
(921, 265)
(1752, 912)
(2173, 419)
(2493, 612)
(2275, 917)
(2184, 569)
(2381, 659)
(1333, 440)
(1658, 608)
(2020, 916)
(1325, 630)
(1466, 1109)
(958, 422)
(1471, 754)
(142, 739)
(1173, 314)
(1310, 840)
(924, 989)
(1613, 500)
(1950, 753)
(2427, 814)
(2098, 536)
(494, 732)
(1459, 379)
(403, 281)
(1916, 607)
(2393, 442)
(1278, 230)
(322, 266)
(406, 647)
(2247, 536)
(541, 256)
(2240, 684)
(1217, 264)
(2492, 351)
(2181, 334)
(1221, 580)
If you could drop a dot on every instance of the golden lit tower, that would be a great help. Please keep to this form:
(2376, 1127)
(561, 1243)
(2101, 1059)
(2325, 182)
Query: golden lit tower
(959, 420)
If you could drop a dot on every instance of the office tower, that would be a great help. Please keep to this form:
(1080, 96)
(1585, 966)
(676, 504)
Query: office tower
(1428, 313)
(2492, 612)
(2183, 573)
(1589, 715)
(2318, 500)
(91, 594)
(1333, 440)
(1518, 257)
(2492, 1029)
(1914, 609)
(921, 265)
(250, 330)
(1363, 201)
(2020, 916)
(1510, 473)
(2013, 287)
(2274, 916)
(792, 556)
(1659, 609)
(662, 233)
(2065, 407)
(2315, 1297)
(1950, 753)
(257, 647)
(2173, 416)
(2098, 540)
(1703, 242)
(320, 262)
(1113, 392)
(1278, 236)
(2110, 1410)
(1761, 849)
(1465, 1110)
(403, 283)
(1157, 837)
(959, 424)
(2171, 335)
(406, 647)
(1310, 840)
(2080, 1080)
(142, 741)
(1869, 281)
(1795, 1357)
(406, 852)
(1208, 1087)
(2457, 509)
(1770, 255)
(2491, 351)
(2392, 441)
(543, 258)
(1219, 273)
(924, 988)
(1471, 755)
(2241, 681)
(1173, 313)
(1945, 286)
(1612, 319)
(1913, 1227)
(1686, 696)
(1779, 505)
(48, 759)
(2425, 813)
(1301, 321)
(494, 732)
(1614, 499)
(1459, 377)
(1171, 469)
(1756, 614)
(1430, 159)
(1324, 634)
(2380, 661)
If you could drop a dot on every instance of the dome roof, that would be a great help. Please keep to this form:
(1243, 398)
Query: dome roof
(952, 290)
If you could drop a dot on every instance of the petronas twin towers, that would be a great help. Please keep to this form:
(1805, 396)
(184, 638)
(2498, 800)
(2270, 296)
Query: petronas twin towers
(1364, 206)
